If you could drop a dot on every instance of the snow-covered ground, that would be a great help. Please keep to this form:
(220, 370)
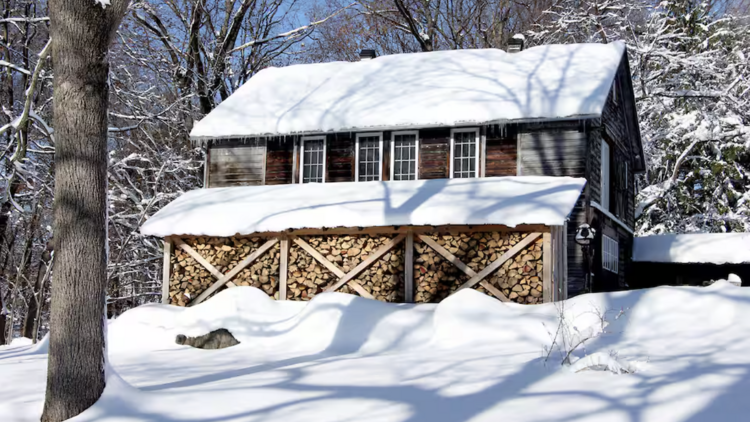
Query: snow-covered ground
(343, 358)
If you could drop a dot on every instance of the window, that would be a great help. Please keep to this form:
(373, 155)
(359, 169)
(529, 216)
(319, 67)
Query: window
(369, 157)
(404, 151)
(313, 160)
(610, 254)
(464, 153)
(605, 179)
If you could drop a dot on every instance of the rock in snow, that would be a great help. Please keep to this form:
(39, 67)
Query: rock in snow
(681, 353)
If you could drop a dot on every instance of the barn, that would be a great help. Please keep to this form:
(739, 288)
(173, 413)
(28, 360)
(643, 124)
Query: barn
(409, 176)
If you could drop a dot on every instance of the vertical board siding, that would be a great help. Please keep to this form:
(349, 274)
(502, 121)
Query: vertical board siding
(559, 149)
(237, 163)
(619, 131)
(501, 151)
(340, 157)
(434, 153)
(280, 161)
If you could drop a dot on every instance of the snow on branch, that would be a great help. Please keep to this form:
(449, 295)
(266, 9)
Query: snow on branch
(293, 33)
(3, 63)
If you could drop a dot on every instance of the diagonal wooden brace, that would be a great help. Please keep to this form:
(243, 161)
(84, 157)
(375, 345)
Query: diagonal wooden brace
(349, 277)
(500, 261)
(461, 266)
(224, 279)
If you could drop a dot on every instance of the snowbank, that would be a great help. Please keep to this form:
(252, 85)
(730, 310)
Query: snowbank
(709, 248)
(442, 88)
(508, 201)
(681, 353)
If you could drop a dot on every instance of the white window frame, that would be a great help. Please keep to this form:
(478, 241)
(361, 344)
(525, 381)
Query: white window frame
(605, 175)
(610, 254)
(453, 141)
(380, 153)
(416, 151)
(302, 156)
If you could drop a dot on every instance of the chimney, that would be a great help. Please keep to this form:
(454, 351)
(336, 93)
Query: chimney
(367, 54)
(515, 44)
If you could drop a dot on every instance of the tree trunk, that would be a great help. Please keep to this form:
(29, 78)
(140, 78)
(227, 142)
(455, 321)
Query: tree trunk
(30, 324)
(81, 31)
(2, 320)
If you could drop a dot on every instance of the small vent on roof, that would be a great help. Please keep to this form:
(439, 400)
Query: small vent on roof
(515, 44)
(367, 54)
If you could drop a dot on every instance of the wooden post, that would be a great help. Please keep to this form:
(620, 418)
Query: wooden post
(409, 268)
(547, 282)
(564, 254)
(283, 267)
(166, 266)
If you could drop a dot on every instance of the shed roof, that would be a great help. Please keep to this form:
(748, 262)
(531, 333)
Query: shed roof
(419, 90)
(508, 201)
(700, 248)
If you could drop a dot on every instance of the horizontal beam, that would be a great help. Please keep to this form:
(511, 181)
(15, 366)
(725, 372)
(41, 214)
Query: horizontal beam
(353, 231)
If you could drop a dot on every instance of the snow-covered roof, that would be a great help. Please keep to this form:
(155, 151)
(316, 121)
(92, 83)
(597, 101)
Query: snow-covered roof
(710, 248)
(442, 88)
(508, 201)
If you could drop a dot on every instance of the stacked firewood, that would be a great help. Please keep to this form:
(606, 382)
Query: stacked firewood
(189, 278)
(383, 279)
(520, 278)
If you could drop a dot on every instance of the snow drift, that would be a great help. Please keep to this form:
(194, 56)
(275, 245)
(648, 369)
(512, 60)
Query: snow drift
(681, 352)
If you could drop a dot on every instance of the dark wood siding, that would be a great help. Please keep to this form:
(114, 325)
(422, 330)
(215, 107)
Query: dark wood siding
(434, 153)
(279, 161)
(551, 150)
(559, 149)
(236, 163)
(616, 129)
(501, 151)
(340, 157)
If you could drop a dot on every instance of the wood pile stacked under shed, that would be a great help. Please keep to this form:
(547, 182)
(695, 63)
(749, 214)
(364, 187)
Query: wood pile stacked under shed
(383, 279)
(435, 278)
(520, 278)
(189, 277)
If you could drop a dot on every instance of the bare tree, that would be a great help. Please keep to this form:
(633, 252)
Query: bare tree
(81, 33)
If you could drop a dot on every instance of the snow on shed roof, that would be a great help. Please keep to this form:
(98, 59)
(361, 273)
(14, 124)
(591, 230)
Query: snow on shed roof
(507, 201)
(442, 88)
(709, 248)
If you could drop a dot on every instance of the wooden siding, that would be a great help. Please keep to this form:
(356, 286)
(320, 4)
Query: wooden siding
(553, 151)
(501, 151)
(236, 163)
(615, 127)
(618, 131)
(559, 149)
(434, 153)
(340, 157)
(279, 161)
